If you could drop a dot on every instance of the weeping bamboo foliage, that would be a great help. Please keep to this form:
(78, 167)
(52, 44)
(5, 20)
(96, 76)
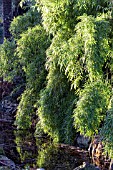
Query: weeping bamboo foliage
(82, 48)
(67, 60)
(8, 60)
(25, 56)
(31, 49)
(56, 107)
(82, 58)
(22, 23)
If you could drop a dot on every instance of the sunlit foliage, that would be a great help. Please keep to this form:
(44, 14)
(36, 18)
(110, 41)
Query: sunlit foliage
(31, 52)
(107, 130)
(91, 108)
(56, 106)
(9, 66)
(21, 23)
(68, 66)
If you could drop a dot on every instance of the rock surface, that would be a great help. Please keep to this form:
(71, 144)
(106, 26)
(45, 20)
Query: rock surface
(87, 166)
(4, 168)
(82, 141)
(96, 151)
(7, 162)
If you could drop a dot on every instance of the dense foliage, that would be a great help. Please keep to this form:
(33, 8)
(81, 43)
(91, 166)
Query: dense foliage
(8, 59)
(65, 51)
(56, 107)
(22, 23)
(31, 53)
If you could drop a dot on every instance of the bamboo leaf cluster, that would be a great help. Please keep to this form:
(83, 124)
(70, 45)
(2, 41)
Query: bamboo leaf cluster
(66, 55)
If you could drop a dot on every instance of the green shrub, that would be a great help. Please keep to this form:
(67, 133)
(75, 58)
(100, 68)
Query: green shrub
(31, 49)
(21, 23)
(9, 62)
(91, 108)
(56, 107)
